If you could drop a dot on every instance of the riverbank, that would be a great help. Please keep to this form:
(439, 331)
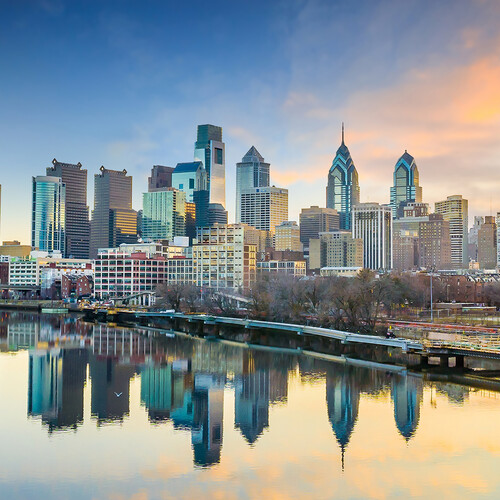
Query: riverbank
(38, 305)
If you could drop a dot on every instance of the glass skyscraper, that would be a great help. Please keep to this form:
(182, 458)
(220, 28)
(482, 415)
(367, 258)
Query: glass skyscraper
(164, 214)
(406, 187)
(48, 220)
(251, 172)
(210, 150)
(342, 191)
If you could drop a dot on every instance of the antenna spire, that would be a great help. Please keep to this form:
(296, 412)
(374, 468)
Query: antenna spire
(342, 132)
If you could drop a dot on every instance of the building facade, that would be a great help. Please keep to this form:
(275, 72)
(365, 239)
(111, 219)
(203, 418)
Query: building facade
(161, 177)
(77, 211)
(221, 259)
(406, 188)
(113, 220)
(487, 244)
(287, 237)
(342, 191)
(455, 210)
(335, 249)
(316, 220)
(434, 243)
(48, 214)
(296, 268)
(264, 208)
(251, 172)
(163, 214)
(210, 151)
(372, 223)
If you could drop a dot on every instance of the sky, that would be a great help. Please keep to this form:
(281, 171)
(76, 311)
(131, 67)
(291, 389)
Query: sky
(124, 84)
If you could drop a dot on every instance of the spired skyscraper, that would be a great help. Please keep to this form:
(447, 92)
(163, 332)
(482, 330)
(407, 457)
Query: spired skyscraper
(406, 188)
(342, 191)
(210, 150)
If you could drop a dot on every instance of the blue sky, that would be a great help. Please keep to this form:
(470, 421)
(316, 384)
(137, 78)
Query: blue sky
(124, 84)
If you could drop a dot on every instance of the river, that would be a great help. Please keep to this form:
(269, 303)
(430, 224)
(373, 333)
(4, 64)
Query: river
(101, 412)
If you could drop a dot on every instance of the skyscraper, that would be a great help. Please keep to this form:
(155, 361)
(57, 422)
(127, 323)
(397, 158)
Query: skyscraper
(48, 215)
(373, 224)
(342, 191)
(406, 188)
(487, 244)
(264, 208)
(251, 172)
(161, 177)
(77, 210)
(210, 150)
(190, 177)
(455, 210)
(113, 220)
(315, 220)
(434, 244)
(164, 214)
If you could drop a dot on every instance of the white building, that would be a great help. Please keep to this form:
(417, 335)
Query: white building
(295, 268)
(372, 223)
(221, 259)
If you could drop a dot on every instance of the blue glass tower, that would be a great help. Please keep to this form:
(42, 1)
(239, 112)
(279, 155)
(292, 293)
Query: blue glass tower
(342, 191)
(406, 188)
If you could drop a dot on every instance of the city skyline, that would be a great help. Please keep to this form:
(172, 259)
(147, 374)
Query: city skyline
(121, 94)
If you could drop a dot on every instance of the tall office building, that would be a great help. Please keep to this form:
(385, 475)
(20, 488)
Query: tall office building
(472, 237)
(498, 239)
(455, 210)
(373, 224)
(210, 150)
(190, 177)
(77, 210)
(48, 215)
(406, 188)
(434, 244)
(315, 220)
(405, 236)
(264, 208)
(113, 220)
(163, 214)
(487, 244)
(251, 172)
(161, 177)
(342, 191)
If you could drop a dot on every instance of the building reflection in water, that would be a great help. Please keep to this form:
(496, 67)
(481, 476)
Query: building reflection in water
(56, 383)
(342, 400)
(407, 391)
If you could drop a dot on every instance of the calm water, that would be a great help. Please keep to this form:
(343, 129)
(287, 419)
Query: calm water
(124, 416)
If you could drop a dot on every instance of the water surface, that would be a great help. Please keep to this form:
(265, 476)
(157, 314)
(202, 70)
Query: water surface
(92, 411)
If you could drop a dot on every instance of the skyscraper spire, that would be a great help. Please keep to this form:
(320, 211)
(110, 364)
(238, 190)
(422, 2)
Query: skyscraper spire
(342, 132)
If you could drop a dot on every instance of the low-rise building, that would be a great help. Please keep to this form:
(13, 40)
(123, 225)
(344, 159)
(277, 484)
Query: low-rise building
(295, 268)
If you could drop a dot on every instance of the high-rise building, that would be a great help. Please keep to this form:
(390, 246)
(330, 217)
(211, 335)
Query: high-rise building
(406, 188)
(113, 220)
(342, 191)
(216, 214)
(190, 177)
(472, 237)
(434, 244)
(455, 210)
(161, 177)
(336, 249)
(373, 224)
(264, 208)
(77, 210)
(487, 244)
(405, 237)
(190, 220)
(251, 172)
(498, 239)
(210, 150)
(48, 215)
(164, 214)
(287, 237)
(315, 220)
